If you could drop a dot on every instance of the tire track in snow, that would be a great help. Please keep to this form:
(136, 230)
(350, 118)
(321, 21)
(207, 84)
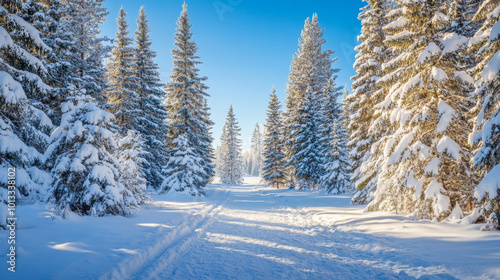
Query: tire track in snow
(167, 248)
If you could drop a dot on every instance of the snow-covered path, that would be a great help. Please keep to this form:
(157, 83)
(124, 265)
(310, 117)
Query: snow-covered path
(251, 232)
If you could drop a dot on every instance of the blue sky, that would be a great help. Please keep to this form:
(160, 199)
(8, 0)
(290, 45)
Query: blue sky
(246, 46)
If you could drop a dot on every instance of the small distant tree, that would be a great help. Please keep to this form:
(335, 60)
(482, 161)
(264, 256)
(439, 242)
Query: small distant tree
(256, 150)
(231, 158)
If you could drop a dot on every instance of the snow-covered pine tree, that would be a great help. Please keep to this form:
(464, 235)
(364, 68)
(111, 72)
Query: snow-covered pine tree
(365, 123)
(188, 116)
(337, 166)
(308, 157)
(23, 128)
(217, 161)
(153, 116)
(122, 93)
(81, 49)
(337, 170)
(331, 111)
(426, 169)
(461, 13)
(309, 74)
(84, 170)
(44, 15)
(273, 166)
(231, 172)
(247, 162)
(256, 148)
(486, 132)
(131, 163)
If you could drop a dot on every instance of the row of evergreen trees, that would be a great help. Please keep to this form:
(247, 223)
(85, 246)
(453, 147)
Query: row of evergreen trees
(252, 158)
(305, 146)
(92, 137)
(424, 129)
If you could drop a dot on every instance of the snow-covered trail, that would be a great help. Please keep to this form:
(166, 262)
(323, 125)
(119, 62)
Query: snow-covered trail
(249, 232)
(252, 232)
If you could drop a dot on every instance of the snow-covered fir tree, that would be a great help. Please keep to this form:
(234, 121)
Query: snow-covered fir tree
(85, 171)
(123, 82)
(23, 128)
(273, 166)
(231, 165)
(81, 52)
(131, 161)
(247, 161)
(217, 160)
(305, 118)
(365, 123)
(337, 165)
(45, 15)
(256, 152)
(188, 117)
(425, 171)
(308, 156)
(486, 133)
(152, 121)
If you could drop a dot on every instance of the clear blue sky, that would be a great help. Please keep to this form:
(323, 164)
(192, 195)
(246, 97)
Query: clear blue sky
(246, 46)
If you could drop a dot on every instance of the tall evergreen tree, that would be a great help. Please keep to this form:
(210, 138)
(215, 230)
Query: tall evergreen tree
(188, 123)
(425, 171)
(366, 123)
(82, 50)
(152, 120)
(23, 128)
(309, 75)
(486, 132)
(308, 158)
(122, 92)
(273, 169)
(231, 158)
(45, 15)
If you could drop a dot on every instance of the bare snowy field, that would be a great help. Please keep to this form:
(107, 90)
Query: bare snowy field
(249, 232)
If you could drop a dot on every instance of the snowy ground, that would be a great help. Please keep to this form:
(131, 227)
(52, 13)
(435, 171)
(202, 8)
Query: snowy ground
(249, 232)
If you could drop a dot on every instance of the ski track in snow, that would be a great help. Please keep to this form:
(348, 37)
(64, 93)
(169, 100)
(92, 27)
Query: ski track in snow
(170, 245)
(260, 234)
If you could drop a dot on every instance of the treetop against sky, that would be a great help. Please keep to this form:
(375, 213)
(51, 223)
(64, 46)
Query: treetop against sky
(246, 46)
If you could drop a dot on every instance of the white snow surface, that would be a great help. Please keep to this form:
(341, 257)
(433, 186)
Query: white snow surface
(453, 42)
(446, 113)
(495, 32)
(431, 50)
(490, 185)
(11, 90)
(438, 74)
(432, 167)
(492, 69)
(464, 77)
(249, 232)
(448, 145)
(435, 191)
